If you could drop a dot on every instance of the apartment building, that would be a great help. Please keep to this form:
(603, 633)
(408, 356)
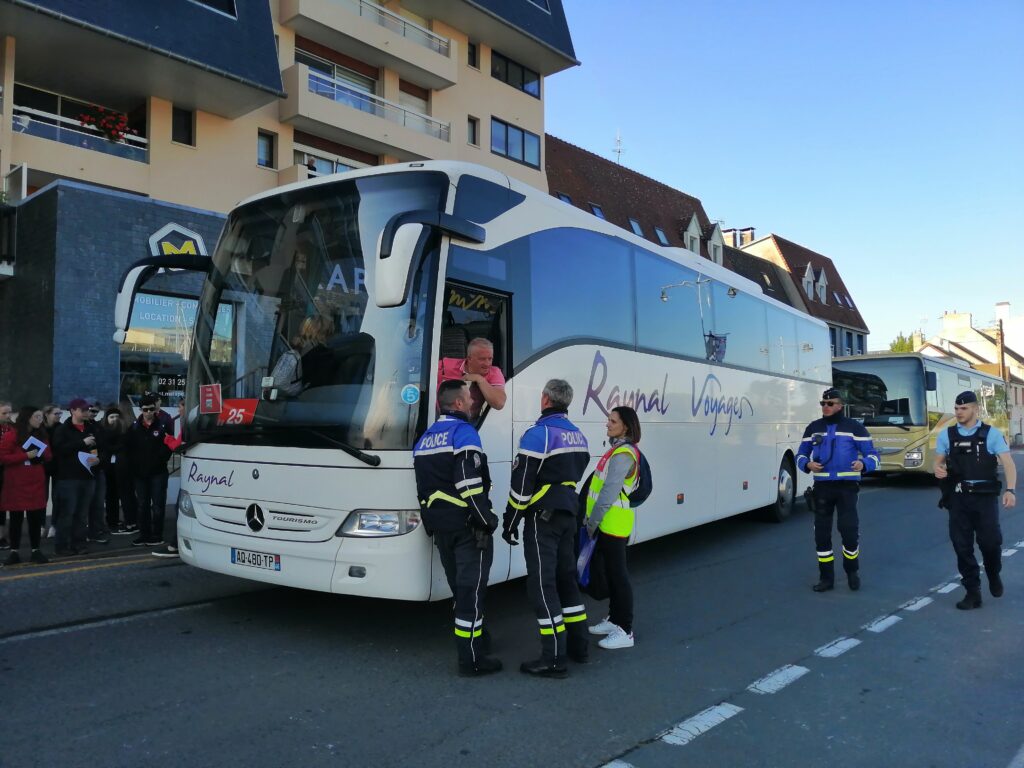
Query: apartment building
(154, 119)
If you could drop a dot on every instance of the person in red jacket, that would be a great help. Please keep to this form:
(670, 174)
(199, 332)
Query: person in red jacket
(24, 490)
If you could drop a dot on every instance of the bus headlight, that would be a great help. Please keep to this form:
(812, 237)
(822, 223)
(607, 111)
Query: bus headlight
(379, 522)
(913, 458)
(185, 504)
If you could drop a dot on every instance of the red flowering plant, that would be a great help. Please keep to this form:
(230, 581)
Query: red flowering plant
(112, 125)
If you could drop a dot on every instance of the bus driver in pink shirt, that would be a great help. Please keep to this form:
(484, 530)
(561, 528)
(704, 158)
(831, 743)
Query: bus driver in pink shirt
(487, 384)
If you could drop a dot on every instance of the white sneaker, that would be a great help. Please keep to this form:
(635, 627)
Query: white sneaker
(603, 628)
(52, 533)
(617, 638)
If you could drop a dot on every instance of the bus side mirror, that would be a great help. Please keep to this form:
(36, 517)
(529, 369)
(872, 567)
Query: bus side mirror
(391, 277)
(400, 243)
(137, 274)
(930, 381)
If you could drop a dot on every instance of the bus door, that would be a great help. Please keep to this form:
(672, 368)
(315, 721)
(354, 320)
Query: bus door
(471, 312)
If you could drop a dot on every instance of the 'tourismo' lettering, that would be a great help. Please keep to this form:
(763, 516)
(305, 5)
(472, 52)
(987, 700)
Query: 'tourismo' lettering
(713, 403)
(208, 481)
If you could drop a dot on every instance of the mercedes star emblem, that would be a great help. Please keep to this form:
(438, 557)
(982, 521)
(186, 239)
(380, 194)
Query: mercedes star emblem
(254, 517)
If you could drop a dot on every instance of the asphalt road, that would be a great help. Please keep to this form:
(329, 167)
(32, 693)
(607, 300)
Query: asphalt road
(131, 661)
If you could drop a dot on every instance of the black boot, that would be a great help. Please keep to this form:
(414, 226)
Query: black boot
(577, 645)
(826, 577)
(485, 665)
(971, 600)
(853, 580)
(544, 668)
(823, 586)
(995, 585)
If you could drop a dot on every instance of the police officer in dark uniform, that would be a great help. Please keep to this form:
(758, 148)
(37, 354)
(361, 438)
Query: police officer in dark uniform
(966, 458)
(836, 449)
(552, 458)
(453, 484)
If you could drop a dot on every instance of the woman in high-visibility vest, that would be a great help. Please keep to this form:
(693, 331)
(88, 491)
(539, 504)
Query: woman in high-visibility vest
(610, 518)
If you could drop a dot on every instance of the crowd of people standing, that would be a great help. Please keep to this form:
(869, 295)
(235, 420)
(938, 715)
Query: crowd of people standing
(104, 470)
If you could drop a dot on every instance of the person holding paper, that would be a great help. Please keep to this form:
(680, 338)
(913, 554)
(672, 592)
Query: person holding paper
(74, 456)
(150, 453)
(22, 453)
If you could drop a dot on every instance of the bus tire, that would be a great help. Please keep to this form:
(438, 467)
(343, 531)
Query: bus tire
(785, 497)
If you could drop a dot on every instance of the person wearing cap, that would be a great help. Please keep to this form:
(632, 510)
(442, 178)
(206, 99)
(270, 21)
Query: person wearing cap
(74, 460)
(966, 459)
(835, 449)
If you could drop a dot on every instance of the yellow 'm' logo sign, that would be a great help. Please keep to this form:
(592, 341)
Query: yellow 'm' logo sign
(169, 249)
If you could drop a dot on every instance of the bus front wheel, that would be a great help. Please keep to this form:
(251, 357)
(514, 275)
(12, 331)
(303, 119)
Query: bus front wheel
(785, 495)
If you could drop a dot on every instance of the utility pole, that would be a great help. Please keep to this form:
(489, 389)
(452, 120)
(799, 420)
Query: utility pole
(1002, 353)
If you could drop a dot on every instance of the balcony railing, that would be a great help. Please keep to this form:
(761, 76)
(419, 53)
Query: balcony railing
(69, 131)
(341, 92)
(397, 24)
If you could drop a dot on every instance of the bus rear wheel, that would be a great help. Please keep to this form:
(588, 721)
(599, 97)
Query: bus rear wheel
(785, 497)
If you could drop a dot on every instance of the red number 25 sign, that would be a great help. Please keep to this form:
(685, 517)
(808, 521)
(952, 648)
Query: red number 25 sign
(237, 412)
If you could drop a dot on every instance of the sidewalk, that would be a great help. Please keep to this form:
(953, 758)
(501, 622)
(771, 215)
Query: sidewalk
(119, 544)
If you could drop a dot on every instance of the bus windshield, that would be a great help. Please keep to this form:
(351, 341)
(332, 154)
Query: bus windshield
(313, 361)
(882, 392)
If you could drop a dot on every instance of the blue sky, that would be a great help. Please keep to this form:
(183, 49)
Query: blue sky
(887, 136)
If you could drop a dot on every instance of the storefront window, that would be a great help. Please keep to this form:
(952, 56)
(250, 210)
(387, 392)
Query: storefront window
(154, 357)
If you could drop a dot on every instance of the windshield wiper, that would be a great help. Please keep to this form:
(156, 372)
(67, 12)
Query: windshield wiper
(351, 450)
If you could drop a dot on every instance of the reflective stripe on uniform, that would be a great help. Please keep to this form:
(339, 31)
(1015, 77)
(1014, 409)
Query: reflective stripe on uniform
(574, 613)
(442, 496)
(826, 557)
(851, 555)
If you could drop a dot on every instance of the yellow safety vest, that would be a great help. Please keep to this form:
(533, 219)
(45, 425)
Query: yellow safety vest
(618, 520)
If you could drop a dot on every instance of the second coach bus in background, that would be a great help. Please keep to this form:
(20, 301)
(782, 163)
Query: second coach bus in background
(906, 399)
(399, 266)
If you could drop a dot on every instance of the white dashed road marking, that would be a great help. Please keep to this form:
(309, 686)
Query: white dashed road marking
(837, 647)
(917, 604)
(700, 723)
(1008, 552)
(617, 764)
(882, 624)
(778, 679)
(948, 588)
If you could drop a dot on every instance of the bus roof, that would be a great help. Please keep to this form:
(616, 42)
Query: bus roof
(955, 365)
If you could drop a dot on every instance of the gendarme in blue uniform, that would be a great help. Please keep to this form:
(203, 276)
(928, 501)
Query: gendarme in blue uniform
(453, 482)
(836, 442)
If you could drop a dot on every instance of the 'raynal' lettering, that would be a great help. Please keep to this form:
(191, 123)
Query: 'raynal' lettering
(208, 481)
(713, 403)
(637, 399)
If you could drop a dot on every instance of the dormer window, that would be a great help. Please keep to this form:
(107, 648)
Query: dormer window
(716, 253)
(821, 291)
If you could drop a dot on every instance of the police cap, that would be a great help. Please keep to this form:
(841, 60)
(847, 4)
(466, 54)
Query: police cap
(966, 397)
(831, 394)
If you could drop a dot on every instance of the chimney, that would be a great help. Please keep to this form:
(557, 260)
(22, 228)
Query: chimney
(746, 236)
(1002, 311)
(917, 340)
(731, 237)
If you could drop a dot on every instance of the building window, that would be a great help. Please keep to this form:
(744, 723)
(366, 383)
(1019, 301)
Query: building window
(809, 288)
(849, 343)
(473, 55)
(265, 142)
(832, 339)
(515, 143)
(473, 131)
(597, 210)
(564, 197)
(860, 343)
(515, 74)
(635, 226)
(822, 296)
(226, 7)
(716, 253)
(694, 244)
(661, 235)
(320, 163)
(183, 124)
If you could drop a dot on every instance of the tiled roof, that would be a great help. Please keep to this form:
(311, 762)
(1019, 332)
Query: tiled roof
(797, 257)
(241, 48)
(755, 268)
(622, 193)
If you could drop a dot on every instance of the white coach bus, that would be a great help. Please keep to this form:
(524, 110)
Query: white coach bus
(403, 265)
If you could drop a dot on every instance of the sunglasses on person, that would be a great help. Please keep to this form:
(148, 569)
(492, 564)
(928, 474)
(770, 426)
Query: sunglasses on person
(829, 403)
(94, 410)
(148, 408)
